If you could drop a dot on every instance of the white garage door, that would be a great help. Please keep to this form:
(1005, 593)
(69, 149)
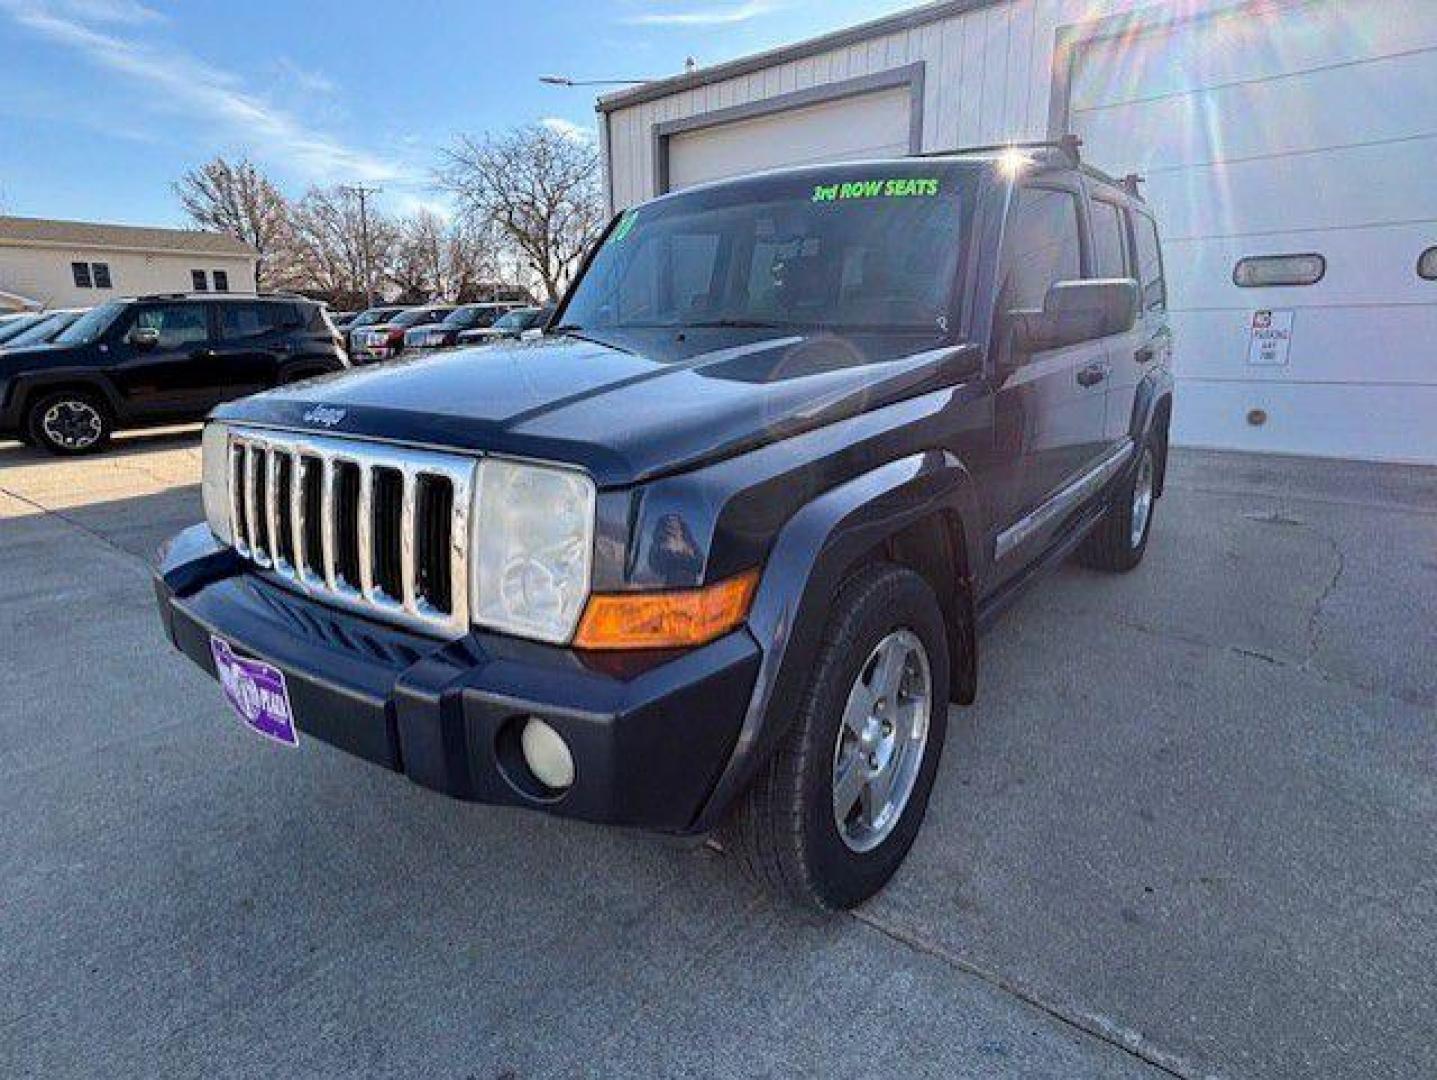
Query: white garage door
(868, 125)
(1305, 129)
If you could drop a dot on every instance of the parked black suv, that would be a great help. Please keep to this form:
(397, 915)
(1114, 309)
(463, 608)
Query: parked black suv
(717, 551)
(157, 360)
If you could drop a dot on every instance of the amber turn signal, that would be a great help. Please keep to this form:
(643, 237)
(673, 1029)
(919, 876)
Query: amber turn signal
(679, 619)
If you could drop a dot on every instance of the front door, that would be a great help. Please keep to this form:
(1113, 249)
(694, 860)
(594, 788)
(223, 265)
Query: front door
(172, 375)
(1050, 403)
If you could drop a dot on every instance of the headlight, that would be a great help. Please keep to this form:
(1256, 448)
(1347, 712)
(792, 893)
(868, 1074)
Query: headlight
(215, 479)
(534, 550)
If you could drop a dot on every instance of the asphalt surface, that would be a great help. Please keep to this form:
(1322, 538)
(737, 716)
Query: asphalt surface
(1190, 829)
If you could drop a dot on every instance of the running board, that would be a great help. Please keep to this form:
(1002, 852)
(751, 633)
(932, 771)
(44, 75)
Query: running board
(1064, 502)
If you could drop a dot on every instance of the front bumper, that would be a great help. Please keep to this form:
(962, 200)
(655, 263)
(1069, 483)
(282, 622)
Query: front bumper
(650, 734)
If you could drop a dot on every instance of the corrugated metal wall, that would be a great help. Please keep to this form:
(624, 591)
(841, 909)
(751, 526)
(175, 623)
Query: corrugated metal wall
(988, 78)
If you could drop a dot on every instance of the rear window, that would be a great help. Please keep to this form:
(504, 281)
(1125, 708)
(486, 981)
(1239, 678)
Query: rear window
(1150, 264)
(1110, 246)
(239, 321)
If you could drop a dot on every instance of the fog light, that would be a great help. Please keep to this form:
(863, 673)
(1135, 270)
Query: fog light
(547, 755)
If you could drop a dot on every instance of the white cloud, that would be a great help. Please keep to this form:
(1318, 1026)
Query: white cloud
(709, 16)
(568, 129)
(129, 12)
(306, 79)
(181, 82)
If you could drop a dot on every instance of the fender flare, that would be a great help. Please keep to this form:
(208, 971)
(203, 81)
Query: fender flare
(815, 551)
(27, 386)
(1155, 389)
(1156, 386)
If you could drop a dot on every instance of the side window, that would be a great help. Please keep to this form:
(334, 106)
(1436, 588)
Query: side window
(178, 324)
(1042, 247)
(1150, 264)
(222, 281)
(1110, 247)
(101, 273)
(241, 321)
(81, 272)
(198, 281)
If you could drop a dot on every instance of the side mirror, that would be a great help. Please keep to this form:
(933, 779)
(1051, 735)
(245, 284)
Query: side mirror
(144, 338)
(1077, 311)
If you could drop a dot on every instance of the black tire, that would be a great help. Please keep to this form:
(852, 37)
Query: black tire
(1120, 540)
(89, 421)
(784, 831)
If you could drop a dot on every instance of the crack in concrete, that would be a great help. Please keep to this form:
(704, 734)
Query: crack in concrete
(46, 511)
(1314, 620)
(1130, 1042)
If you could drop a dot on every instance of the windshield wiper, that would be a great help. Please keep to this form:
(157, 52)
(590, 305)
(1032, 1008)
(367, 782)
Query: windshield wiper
(734, 324)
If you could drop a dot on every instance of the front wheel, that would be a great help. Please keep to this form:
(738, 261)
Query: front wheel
(833, 814)
(70, 422)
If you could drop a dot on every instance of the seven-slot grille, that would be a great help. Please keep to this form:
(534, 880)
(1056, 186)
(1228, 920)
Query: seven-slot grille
(374, 528)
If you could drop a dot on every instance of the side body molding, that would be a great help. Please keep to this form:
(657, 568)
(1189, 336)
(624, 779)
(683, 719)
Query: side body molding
(812, 555)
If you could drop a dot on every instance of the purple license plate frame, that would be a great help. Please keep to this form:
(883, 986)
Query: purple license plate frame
(257, 693)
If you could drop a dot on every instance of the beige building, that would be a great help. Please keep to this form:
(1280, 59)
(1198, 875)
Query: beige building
(47, 263)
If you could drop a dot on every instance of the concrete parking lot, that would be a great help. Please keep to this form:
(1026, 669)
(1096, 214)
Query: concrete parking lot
(1190, 829)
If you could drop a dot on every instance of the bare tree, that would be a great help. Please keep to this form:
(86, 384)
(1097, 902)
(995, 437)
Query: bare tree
(419, 263)
(235, 198)
(329, 242)
(539, 188)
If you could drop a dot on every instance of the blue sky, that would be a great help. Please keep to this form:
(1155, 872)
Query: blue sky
(103, 103)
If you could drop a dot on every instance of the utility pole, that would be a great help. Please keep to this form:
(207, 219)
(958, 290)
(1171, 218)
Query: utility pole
(362, 193)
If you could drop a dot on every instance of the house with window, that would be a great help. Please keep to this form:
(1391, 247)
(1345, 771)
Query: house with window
(45, 263)
(1285, 147)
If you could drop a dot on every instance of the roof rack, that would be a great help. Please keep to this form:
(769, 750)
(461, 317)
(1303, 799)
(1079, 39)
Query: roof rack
(227, 294)
(1068, 145)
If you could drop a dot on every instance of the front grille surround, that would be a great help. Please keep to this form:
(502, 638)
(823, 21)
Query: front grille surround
(374, 502)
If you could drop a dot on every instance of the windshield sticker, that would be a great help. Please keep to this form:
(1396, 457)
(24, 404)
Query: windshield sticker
(896, 188)
(626, 226)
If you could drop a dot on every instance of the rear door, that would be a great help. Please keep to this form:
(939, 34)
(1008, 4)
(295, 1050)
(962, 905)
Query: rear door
(1113, 258)
(254, 340)
(1050, 403)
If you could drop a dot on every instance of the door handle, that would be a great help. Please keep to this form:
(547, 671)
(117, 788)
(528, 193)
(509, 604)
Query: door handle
(1144, 355)
(1092, 375)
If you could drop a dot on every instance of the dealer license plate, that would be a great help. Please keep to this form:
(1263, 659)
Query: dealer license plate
(257, 693)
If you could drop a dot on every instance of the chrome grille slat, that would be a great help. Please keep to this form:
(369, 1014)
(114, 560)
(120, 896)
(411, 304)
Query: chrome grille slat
(271, 511)
(408, 541)
(272, 506)
(327, 523)
(252, 466)
(364, 512)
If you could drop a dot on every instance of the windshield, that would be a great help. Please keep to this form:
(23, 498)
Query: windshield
(44, 330)
(9, 331)
(91, 325)
(462, 317)
(416, 316)
(514, 320)
(372, 316)
(871, 248)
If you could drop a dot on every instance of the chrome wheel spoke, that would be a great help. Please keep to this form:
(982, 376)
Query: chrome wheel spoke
(888, 674)
(858, 709)
(848, 786)
(881, 740)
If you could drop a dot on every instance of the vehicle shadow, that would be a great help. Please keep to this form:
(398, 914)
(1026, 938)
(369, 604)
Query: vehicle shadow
(125, 445)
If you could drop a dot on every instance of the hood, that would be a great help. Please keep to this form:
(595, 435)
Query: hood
(23, 355)
(627, 409)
